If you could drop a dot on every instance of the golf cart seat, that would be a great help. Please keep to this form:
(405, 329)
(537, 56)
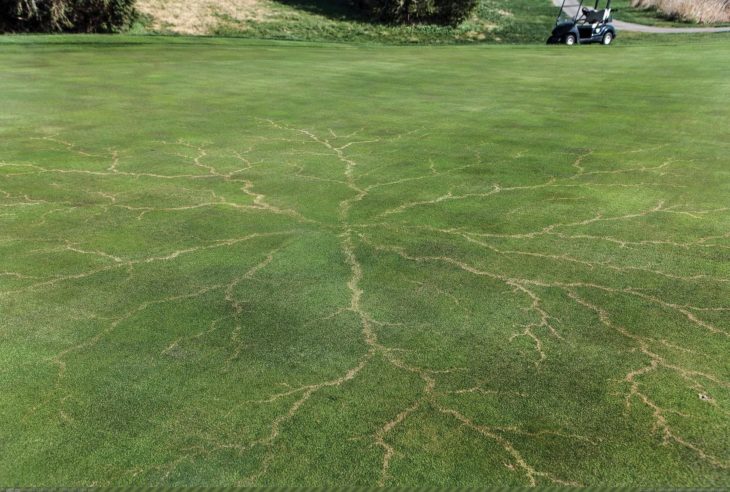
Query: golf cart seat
(594, 16)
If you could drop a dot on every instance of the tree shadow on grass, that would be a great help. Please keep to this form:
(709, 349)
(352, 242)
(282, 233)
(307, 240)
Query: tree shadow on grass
(332, 9)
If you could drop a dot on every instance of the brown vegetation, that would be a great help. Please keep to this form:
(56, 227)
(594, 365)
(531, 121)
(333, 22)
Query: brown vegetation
(704, 11)
(199, 16)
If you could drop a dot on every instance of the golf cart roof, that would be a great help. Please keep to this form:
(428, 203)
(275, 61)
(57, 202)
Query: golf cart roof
(572, 9)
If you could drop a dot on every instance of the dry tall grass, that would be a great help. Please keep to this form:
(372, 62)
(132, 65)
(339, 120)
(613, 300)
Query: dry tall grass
(705, 11)
(199, 16)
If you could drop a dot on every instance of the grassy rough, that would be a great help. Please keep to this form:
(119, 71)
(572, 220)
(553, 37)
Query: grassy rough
(493, 21)
(229, 262)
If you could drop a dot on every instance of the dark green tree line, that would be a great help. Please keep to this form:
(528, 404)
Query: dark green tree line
(66, 15)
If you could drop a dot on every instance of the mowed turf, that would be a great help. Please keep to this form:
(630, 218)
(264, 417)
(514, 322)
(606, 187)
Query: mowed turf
(227, 262)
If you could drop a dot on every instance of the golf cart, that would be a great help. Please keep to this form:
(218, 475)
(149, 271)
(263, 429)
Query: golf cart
(578, 24)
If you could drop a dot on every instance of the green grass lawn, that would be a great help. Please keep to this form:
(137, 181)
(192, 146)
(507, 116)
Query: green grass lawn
(227, 262)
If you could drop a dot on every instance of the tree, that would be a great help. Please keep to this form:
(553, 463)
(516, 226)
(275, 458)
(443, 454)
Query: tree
(66, 15)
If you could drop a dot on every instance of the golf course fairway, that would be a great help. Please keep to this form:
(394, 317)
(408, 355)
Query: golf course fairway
(228, 262)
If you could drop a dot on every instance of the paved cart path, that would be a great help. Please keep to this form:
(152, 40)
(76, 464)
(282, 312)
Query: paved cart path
(628, 26)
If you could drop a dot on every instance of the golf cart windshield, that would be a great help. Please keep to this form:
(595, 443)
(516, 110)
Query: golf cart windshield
(569, 11)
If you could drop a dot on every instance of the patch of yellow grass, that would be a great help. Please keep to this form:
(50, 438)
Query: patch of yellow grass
(199, 16)
(704, 11)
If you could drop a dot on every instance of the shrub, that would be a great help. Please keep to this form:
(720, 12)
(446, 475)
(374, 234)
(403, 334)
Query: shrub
(66, 15)
(707, 11)
(449, 12)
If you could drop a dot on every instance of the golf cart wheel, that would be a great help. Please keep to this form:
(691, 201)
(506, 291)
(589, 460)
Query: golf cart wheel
(570, 39)
(607, 38)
